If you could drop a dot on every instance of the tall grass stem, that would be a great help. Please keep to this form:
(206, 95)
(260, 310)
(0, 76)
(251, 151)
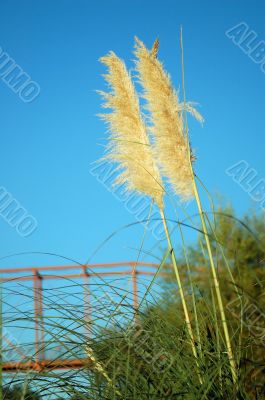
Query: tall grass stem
(182, 296)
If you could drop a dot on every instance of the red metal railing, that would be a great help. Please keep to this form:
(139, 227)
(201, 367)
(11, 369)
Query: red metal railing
(37, 275)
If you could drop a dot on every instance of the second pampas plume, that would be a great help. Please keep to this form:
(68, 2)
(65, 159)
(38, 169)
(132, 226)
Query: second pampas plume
(171, 144)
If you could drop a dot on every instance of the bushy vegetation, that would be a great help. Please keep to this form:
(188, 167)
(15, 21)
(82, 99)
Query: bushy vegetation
(149, 356)
(18, 392)
(153, 359)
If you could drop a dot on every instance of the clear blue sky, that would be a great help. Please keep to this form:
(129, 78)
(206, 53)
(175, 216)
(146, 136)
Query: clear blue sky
(47, 146)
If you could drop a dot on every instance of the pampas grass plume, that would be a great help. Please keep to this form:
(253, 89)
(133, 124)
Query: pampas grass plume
(128, 145)
(171, 144)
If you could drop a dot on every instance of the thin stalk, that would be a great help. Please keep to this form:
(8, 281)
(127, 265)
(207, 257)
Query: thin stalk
(227, 265)
(182, 297)
(206, 236)
(217, 332)
(216, 283)
(102, 371)
(192, 291)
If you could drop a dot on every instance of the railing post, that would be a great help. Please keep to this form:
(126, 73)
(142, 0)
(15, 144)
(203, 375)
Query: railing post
(87, 311)
(135, 291)
(38, 317)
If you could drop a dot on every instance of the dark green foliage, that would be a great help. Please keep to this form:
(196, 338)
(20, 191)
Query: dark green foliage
(131, 357)
(17, 392)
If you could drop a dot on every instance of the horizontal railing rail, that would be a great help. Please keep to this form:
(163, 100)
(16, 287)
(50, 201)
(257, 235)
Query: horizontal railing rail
(37, 275)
